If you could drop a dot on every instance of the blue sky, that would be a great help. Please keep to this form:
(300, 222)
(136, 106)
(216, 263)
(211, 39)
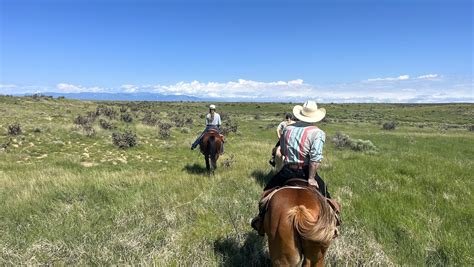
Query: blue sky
(363, 51)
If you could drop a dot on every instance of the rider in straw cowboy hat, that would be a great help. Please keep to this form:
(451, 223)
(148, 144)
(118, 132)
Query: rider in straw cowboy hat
(302, 145)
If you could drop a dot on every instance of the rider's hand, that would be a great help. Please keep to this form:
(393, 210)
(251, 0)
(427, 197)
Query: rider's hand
(312, 181)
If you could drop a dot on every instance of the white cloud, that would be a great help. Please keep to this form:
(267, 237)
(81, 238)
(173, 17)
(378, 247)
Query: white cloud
(129, 88)
(428, 76)
(399, 78)
(8, 86)
(240, 88)
(71, 88)
(423, 88)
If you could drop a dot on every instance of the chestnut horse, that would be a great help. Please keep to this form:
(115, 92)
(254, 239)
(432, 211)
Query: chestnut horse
(210, 147)
(300, 226)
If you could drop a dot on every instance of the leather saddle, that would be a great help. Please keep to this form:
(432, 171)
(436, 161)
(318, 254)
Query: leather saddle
(213, 132)
(297, 183)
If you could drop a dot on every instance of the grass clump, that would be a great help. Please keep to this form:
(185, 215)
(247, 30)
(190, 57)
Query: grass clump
(342, 141)
(14, 129)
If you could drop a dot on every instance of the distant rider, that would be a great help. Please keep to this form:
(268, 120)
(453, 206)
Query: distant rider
(213, 121)
(288, 121)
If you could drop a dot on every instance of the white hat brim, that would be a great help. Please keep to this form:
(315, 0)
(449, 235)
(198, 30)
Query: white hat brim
(318, 116)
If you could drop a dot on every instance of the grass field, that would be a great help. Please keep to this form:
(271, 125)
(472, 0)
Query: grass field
(69, 196)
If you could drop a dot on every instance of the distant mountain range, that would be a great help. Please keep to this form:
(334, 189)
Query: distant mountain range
(123, 96)
(144, 96)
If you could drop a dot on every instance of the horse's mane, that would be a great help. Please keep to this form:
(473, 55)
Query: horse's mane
(320, 229)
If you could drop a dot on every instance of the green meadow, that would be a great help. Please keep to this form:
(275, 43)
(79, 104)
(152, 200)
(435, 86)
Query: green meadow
(70, 196)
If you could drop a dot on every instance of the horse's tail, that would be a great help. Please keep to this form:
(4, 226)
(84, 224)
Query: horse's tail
(320, 229)
(212, 150)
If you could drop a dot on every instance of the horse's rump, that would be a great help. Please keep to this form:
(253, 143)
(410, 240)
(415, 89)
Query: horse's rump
(212, 137)
(210, 146)
(302, 211)
(320, 229)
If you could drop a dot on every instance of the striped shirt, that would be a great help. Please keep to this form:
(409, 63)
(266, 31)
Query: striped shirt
(301, 143)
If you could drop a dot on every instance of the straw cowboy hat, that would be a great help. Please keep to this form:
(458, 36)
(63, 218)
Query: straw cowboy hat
(309, 112)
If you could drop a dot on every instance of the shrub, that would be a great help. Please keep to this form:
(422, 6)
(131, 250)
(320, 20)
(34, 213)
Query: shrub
(229, 127)
(470, 128)
(149, 119)
(190, 121)
(126, 117)
(228, 162)
(224, 116)
(106, 111)
(106, 125)
(164, 133)
(6, 144)
(179, 122)
(341, 141)
(91, 115)
(258, 117)
(362, 145)
(81, 120)
(165, 125)
(123, 109)
(14, 129)
(389, 125)
(185, 130)
(125, 140)
(88, 130)
(37, 130)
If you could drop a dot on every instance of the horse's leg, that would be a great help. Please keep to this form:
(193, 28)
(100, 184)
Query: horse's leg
(214, 161)
(208, 167)
(281, 240)
(314, 253)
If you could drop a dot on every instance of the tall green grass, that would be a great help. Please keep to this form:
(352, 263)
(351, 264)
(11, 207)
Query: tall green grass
(70, 199)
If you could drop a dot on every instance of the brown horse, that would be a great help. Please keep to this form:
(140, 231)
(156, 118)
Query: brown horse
(210, 147)
(300, 226)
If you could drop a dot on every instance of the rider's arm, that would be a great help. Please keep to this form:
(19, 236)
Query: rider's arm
(313, 167)
(316, 156)
(219, 121)
(279, 130)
